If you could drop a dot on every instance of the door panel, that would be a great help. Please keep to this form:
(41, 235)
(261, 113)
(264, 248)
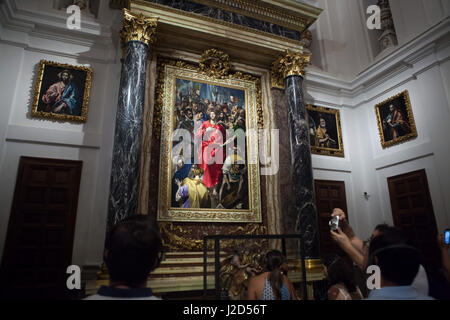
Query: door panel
(329, 195)
(39, 241)
(412, 211)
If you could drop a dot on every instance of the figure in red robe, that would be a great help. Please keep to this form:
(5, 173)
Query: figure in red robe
(211, 156)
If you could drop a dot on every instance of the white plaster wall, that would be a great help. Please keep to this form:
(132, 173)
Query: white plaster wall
(343, 46)
(422, 68)
(341, 53)
(29, 32)
(413, 17)
(339, 45)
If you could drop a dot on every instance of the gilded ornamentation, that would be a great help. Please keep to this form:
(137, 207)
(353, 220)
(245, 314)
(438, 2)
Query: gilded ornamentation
(176, 237)
(138, 28)
(159, 91)
(215, 63)
(289, 64)
(236, 270)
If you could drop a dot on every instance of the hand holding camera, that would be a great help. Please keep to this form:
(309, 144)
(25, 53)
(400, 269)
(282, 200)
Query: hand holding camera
(334, 223)
(338, 213)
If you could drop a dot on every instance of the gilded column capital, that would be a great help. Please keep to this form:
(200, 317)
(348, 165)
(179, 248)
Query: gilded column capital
(289, 64)
(137, 27)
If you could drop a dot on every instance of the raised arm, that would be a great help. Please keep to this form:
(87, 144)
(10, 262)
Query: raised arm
(345, 244)
(347, 229)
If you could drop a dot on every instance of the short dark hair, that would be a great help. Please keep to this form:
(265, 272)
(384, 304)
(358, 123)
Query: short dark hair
(133, 250)
(382, 227)
(339, 271)
(398, 260)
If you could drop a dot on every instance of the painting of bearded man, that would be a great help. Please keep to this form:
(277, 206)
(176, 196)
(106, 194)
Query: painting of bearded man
(325, 131)
(395, 120)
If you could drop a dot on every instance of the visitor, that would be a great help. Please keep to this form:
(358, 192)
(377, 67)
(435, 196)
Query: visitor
(399, 263)
(272, 284)
(133, 250)
(340, 279)
(357, 250)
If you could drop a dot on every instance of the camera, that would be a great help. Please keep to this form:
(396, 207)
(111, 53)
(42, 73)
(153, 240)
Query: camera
(334, 223)
(447, 236)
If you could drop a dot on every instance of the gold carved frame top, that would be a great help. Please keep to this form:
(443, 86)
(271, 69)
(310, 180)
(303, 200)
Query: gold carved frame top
(215, 76)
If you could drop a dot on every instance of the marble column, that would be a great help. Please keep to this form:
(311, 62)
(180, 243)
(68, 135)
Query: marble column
(137, 34)
(291, 66)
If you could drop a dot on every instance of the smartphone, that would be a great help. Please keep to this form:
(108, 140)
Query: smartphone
(447, 236)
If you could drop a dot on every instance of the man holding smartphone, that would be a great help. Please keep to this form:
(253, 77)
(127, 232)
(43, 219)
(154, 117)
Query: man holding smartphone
(358, 250)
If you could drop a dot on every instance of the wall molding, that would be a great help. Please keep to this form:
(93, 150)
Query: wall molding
(26, 134)
(44, 32)
(326, 163)
(402, 156)
(406, 62)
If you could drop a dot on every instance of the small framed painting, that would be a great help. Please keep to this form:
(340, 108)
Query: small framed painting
(325, 131)
(395, 120)
(62, 92)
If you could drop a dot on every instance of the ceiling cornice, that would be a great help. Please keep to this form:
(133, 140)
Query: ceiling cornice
(286, 13)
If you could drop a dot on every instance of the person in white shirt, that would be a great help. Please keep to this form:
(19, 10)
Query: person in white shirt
(399, 263)
(357, 249)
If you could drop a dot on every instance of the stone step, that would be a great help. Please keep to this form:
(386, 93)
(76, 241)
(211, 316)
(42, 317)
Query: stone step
(180, 269)
(186, 260)
(162, 285)
(182, 255)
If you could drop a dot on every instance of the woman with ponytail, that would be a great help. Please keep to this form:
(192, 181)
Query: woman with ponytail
(272, 284)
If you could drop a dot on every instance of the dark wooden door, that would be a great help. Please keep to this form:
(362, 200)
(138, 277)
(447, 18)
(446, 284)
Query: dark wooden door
(329, 195)
(412, 211)
(39, 241)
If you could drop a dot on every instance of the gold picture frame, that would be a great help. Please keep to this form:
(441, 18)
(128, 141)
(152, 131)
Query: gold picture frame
(332, 134)
(62, 92)
(171, 73)
(395, 120)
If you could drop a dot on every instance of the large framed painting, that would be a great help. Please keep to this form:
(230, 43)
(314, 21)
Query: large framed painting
(325, 131)
(395, 120)
(209, 170)
(62, 92)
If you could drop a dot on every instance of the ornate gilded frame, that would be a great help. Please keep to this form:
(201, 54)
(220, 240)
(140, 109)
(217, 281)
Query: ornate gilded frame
(237, 80)
(37, 93)
(412, 124)
(339, 152)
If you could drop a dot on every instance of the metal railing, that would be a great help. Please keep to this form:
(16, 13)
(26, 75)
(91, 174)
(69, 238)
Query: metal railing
(218, 238)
